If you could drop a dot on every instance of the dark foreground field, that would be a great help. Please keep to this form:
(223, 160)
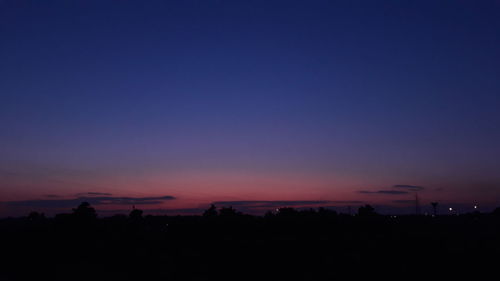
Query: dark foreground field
(306, 245)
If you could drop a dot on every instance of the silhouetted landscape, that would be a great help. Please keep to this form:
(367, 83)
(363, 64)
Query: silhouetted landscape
(224, 244)
(249, 140)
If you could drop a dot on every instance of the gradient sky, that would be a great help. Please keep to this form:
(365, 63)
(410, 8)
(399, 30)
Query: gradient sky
(248, 103)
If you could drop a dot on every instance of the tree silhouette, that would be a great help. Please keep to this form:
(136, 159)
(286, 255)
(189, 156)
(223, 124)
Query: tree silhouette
(135, 214)
(434, 207)
(322, 212)
(366, 211)
(84, 212)
(228, 212)
(269, 214)
(496, 212)
(210, 212)
(287, 212)
(36, 216)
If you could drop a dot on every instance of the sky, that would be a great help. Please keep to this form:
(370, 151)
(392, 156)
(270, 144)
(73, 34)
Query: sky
(174, 105)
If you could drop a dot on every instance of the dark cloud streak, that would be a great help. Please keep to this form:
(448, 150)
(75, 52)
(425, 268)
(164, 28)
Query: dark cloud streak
(274, 204)
(409, 187)
(94, 194)
(387, 192)
(404, 201)
(93, 200)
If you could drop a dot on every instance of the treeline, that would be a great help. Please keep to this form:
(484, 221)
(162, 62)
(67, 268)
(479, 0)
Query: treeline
(86, 212)
(224, 244)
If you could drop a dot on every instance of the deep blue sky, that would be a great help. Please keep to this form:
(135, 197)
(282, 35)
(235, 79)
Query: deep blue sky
(175, 97)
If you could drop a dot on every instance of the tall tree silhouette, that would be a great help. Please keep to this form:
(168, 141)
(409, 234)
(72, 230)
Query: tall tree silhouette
(434, 207)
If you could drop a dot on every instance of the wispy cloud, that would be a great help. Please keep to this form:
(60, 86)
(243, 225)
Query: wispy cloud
(94, 194)
(404, 201)
(397, 189)
(387, 192)
(409, 187)
(93, 200)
